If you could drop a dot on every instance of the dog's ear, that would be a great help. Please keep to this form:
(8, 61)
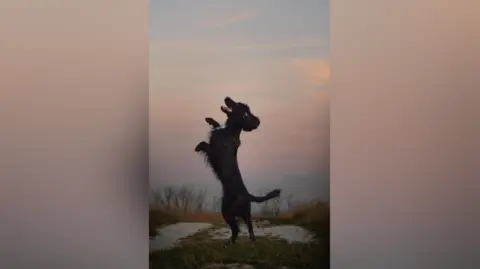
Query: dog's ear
(229, 102)
(229, 98)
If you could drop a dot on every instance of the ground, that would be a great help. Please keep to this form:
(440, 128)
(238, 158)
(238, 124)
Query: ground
(287, 242)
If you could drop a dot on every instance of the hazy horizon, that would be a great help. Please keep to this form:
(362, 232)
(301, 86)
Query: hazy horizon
(202, 51)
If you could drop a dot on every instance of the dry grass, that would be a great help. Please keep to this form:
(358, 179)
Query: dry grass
(185, 203)
(160, 217)
(309, 212)
(210, 217)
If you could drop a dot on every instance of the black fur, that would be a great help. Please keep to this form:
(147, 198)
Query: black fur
(221, 155)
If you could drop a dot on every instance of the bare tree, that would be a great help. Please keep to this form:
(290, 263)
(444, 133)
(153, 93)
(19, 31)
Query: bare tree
(157, 199)
(180, 199)
(168, 194)
(164, 198)
(289, 201)
(200, 201)
(185, 198)
(275, 206)
(215, 204)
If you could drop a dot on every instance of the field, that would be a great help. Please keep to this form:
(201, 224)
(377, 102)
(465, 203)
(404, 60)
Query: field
(204, 249)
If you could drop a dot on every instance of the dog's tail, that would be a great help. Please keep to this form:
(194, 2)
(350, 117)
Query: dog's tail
(259, 199)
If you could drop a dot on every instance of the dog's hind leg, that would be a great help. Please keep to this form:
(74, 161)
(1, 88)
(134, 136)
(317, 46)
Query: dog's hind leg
(229, 217)
(243, 208)
(232, 222)
(248, 221)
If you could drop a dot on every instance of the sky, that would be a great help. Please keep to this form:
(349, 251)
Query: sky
(272, 55)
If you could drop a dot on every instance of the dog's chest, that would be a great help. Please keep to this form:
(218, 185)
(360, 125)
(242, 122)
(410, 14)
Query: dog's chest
(220, 139)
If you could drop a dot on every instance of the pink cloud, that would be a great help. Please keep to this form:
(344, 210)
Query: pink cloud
(231, 19)
(280, 46)
(315, 72)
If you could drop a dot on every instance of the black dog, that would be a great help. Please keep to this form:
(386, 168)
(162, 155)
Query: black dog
(221, 155)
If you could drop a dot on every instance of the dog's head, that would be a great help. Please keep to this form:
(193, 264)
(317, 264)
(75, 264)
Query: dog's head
(240, 116)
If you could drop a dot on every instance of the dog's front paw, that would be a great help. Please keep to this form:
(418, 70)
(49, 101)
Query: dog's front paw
(212, 122)
(202, 146)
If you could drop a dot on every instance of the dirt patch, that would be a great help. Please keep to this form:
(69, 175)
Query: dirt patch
(290, 233)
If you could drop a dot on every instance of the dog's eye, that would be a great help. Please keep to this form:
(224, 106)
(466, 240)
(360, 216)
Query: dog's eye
(245, 115)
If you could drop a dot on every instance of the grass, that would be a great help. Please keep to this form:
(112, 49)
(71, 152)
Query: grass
(266, 253)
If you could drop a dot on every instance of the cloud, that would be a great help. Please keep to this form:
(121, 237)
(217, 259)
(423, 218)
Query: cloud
(231, 19)
(184, 48)
(280, 46)
(315, 72)
(211, 46)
